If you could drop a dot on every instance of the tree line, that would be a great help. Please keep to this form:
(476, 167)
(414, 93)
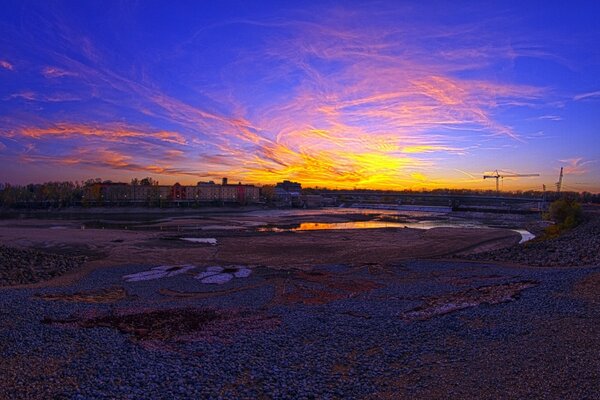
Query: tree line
(53, 194)
(68, 193)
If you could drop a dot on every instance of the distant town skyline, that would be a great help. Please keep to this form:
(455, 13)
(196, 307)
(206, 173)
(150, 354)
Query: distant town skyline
(372, 95)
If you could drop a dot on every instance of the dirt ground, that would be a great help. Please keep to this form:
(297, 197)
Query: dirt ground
(115, 243)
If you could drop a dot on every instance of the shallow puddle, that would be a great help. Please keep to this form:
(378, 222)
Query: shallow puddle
(212, 241)
(316, 226)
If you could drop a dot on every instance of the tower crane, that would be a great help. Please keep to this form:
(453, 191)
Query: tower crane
(559, 183)
(497, 176)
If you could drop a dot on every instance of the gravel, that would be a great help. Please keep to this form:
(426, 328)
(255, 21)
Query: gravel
(577, 247)
(518, 333)
(23, 266)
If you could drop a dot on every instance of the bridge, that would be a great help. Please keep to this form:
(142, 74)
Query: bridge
(456, 201)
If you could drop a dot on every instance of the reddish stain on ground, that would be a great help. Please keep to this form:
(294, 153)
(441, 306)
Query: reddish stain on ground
(447, 303)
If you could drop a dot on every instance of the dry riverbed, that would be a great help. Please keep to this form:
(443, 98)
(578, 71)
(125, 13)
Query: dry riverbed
(212, 240)
(339, 314)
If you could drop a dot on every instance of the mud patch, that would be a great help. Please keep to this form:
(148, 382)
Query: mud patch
(289, 287)
(148, 325)
(588, 288)
(319, 287)
(173, 325)
(494, 294)
(110, 295)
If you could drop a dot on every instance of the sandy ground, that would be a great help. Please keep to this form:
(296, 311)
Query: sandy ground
(158, 242)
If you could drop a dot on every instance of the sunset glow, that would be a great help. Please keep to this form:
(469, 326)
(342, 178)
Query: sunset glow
(337, 94)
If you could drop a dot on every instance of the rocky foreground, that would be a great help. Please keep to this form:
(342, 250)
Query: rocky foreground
(398, 329)
(577, 247)
(416, 330)
(20, 266)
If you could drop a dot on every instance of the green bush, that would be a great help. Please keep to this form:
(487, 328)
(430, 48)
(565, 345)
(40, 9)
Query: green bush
(566, 215)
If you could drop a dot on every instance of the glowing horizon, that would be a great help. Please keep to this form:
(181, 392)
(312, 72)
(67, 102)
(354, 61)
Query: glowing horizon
(342, 95)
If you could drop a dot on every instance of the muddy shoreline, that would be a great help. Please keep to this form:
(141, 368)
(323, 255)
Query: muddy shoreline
(109, 240)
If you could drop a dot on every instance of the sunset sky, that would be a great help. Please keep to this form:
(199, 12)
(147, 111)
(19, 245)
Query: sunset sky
(415, 94)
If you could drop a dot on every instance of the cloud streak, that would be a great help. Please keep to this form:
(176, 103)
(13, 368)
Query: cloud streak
(577, 166)
(588, 95)
(110, 133)
(53, 72)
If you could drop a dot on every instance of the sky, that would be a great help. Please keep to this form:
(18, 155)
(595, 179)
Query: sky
(342, 94)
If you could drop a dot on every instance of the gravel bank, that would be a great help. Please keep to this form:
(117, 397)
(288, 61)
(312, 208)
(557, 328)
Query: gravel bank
(19, 266)
(336, 332)
(578, 247)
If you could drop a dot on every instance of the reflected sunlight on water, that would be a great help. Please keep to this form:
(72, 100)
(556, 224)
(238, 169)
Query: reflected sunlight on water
(316, 226)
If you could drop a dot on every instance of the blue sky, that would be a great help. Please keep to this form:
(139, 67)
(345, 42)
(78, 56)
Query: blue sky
(341, 94)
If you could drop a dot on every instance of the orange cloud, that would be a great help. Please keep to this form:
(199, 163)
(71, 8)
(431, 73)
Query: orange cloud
(111, 132)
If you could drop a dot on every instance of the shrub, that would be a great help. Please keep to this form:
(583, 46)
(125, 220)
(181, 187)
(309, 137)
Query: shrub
(566, 214)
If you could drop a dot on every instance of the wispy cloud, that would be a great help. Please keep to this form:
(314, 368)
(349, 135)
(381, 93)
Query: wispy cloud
(469, 175)
(588, 95)
(25, 95)
(112, 132)
(6, 65)
(577, 166)
(430, 149)
(104, 158)
(53, 72)
(44, 98)
(550, 118)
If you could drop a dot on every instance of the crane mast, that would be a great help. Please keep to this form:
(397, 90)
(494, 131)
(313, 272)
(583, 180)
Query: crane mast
(559, 183)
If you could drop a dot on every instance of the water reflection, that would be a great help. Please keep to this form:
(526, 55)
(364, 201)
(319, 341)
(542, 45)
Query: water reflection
(315, 226)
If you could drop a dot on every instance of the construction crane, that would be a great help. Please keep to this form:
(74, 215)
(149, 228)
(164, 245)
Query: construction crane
(497, 176)
(559, 183)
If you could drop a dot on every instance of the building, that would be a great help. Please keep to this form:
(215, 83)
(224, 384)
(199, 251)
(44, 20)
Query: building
(287, 193)
(292, 188)
(109, 193)
(106, 192)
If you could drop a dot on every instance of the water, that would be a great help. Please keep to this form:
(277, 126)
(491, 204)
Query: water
(375, 224)
(317, 226)
(375, 218)
(525, 235)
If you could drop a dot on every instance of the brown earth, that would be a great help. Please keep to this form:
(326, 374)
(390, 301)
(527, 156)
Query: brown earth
(161, 245)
